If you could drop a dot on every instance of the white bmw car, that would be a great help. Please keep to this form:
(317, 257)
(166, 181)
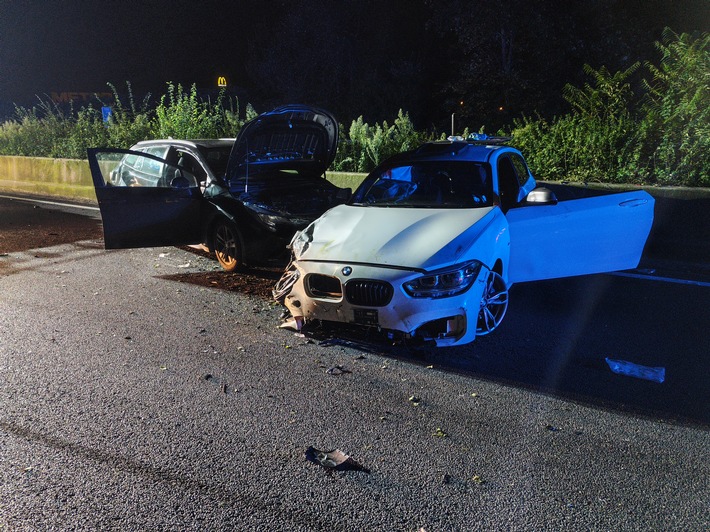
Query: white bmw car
(430, 243)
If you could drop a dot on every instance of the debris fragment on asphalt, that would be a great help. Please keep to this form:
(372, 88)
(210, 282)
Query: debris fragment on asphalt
(334, 460)
(624, 367)
(440, 433)
(295, 324)
(337, 370)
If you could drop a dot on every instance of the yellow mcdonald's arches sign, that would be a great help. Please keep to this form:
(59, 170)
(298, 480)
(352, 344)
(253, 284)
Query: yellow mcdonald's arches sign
(221, 81)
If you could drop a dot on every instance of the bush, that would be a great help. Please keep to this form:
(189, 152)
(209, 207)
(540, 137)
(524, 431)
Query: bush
(183, 115)
(365, 146)
(666, 141)
(127, 125)
(592, 142)
(674, 132)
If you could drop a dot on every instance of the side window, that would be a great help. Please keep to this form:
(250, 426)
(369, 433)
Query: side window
(191, 168)
(146, 172)
(521, 170)
(508, 183)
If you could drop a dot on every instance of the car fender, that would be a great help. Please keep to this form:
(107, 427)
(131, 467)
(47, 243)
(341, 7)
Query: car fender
(491, 247)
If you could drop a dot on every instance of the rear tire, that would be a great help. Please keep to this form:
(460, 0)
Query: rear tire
(227, 246)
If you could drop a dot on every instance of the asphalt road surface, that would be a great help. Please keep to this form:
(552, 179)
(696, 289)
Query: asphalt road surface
(146, 389)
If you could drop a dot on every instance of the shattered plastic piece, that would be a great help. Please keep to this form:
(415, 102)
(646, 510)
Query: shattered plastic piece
(337, 370)
(335, 459)
(295, 324)
(623, 367)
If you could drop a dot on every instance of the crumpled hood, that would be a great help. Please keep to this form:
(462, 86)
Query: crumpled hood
(289, 137)
(410, 238)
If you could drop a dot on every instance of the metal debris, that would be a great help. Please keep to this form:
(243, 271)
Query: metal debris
(334, 460)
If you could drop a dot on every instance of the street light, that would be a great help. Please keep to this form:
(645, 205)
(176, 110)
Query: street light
(453, 133)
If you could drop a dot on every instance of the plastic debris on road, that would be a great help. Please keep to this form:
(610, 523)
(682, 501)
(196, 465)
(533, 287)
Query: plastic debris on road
(337, 370)
(334, 460)
(623, 367)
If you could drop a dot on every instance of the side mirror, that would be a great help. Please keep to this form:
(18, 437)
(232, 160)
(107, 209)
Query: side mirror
(541, 196)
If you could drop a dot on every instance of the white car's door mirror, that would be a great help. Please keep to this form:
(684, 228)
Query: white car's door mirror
(541, 196)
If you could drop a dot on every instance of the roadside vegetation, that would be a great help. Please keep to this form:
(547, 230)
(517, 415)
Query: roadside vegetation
(648, 124)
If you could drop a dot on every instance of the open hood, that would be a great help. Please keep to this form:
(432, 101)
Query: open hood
(416, 238)
(291, 137)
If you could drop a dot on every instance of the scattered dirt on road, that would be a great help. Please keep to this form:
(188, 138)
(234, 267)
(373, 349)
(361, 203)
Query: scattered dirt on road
(255, 282)
(45, 228)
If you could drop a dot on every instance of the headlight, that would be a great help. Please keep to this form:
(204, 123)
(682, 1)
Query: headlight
(272, 220)
(444, 283)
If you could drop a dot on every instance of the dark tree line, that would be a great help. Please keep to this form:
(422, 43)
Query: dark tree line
(487, 61)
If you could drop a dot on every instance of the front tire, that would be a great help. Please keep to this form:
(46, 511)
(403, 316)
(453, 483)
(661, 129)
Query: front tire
(494, 303)
(227, 246)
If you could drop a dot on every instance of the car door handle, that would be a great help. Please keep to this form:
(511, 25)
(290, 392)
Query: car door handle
(633, 203)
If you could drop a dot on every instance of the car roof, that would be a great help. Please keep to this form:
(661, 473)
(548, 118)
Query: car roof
(457, 150)
(193, 143)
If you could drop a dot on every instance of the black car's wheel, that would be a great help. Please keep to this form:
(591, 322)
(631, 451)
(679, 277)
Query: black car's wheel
(494, 303)
(227, 246)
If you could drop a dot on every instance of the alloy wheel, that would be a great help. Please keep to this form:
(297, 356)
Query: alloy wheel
(227, 246)
(494, 303)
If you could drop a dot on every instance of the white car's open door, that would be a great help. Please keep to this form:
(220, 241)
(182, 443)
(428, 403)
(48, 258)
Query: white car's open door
(578, 236)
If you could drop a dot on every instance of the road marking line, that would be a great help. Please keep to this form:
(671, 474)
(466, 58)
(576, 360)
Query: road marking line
(661, 279)
(58, 204)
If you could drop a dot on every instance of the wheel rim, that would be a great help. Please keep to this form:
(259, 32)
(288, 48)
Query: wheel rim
(494, 303)
(226, 247)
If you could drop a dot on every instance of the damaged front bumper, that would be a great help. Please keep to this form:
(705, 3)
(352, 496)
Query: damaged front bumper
(376, 297)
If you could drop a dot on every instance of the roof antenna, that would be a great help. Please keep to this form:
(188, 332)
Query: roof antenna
(246, 183)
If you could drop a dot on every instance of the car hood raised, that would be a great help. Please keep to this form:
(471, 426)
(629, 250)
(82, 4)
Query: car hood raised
(292, 137)
(395, 237)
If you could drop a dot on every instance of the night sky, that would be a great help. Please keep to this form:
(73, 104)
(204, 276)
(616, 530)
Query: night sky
(49, 46)
(352, 56)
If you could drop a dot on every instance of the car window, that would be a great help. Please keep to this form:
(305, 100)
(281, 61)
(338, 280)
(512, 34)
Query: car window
(430, 184)
(521, 170)
(139, 171)
(217, 159)
(158, 151)
(508, 184)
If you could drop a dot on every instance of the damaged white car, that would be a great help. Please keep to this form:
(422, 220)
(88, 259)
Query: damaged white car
(430, 243)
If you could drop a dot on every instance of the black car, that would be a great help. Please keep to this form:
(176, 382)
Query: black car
(243, 198)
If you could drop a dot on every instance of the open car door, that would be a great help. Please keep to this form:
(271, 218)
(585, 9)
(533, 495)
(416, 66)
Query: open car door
(579, 236)
(144, 200)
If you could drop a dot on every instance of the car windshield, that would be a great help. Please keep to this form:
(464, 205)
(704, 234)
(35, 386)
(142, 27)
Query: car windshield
(430, 184)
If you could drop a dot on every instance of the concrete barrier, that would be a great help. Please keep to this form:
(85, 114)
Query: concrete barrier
(43, 176)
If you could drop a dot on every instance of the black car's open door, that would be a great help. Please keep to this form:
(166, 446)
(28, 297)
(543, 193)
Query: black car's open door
(144, 200)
